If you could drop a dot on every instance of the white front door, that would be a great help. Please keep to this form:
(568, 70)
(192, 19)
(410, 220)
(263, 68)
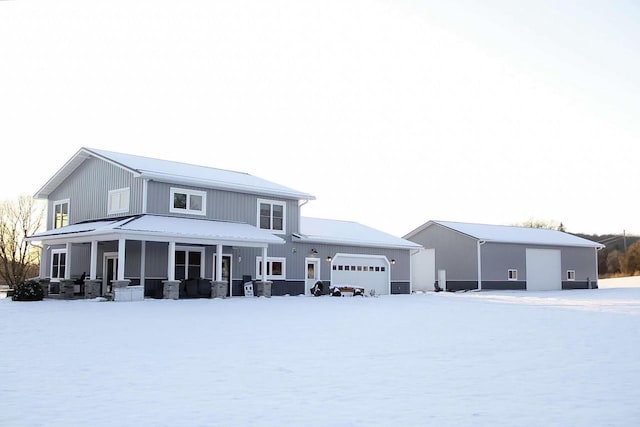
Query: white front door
(109, 271)
(312, 273)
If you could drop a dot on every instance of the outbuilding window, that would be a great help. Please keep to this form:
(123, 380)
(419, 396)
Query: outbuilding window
(512, 274)
(571, 275)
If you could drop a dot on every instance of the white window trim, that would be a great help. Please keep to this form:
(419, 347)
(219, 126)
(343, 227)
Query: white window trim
(53, 252)
(188, 249)
(127, 192)
(189, 193)
(283, 276)
(61, 202)
(284, 215)
(515, 275)
(571, 275)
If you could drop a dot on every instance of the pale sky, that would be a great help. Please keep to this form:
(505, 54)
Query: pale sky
(391, 113)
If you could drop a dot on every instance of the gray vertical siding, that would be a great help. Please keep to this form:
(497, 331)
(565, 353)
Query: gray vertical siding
(87, 190)
(221, 205)
(455, 252)
(296, 252)
(497, 258)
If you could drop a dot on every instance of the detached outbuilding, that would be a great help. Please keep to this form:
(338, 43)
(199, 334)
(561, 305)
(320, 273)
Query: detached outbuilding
(463, 256)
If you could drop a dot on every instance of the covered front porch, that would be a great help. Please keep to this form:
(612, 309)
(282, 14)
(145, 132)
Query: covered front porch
(127, 259)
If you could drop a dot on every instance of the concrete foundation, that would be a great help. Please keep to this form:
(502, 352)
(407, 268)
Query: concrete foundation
(219, 289)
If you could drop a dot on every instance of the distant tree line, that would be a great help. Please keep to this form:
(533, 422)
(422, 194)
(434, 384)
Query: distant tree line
(620, 256)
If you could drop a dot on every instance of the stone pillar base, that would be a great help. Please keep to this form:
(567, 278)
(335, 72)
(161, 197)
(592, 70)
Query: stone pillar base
(219, 289)
(44, 284)
(171, 289)
(66, 289)
(263, 289)
(92, 288)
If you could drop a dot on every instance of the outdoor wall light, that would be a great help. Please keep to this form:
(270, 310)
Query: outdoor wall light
(314, 252)
(393, 261)
(328, 259)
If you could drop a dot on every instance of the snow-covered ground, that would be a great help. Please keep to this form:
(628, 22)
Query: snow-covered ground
(466, 359)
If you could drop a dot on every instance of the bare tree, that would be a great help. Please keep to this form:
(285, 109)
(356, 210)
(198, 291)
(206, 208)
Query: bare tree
(537, 223)
(18, 219)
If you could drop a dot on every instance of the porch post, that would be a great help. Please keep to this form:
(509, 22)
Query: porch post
(143, 261)
(264, 287)
(264, 264)
(93, 269)
(121, 258)
(67, 287)
(171, 267)
(218, 263)
(92, 285)
(67, 268)
(171, 286)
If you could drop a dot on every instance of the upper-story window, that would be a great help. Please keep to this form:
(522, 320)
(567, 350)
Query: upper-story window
(61, 213)
(271, 215)
(188, 201)
(119, 201)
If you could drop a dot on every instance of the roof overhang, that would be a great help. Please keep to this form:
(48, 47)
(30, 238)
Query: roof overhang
(348, 242)
(69, 167)
(161, 229)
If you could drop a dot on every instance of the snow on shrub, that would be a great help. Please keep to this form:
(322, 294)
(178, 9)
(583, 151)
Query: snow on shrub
(28, 291)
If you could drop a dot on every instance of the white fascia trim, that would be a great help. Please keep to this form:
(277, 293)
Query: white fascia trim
(143, 236)
(356, 243)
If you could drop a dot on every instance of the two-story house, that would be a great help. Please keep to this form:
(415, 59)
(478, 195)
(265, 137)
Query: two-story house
(153, 226)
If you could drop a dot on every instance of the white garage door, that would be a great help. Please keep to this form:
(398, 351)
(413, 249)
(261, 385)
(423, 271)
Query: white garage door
(544, 270)
(423, 270)
(364, 271)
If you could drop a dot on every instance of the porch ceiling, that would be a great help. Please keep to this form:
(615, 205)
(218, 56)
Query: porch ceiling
(162, 229)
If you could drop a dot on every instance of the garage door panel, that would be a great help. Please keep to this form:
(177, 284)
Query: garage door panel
(544, 270)
(368, 272)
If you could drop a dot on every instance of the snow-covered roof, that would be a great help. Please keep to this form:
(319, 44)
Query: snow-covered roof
(512, 234)
(163, 228)
(330, 231)
(176, 172)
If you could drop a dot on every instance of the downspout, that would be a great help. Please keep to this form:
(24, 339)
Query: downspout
(480, 243)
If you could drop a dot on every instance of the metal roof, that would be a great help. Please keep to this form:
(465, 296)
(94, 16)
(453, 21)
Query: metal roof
(163, 228)
(175, 173)
(512, 234)
(330, 231)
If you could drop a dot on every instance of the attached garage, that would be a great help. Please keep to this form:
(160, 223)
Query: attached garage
(544, 270)
(364, 271)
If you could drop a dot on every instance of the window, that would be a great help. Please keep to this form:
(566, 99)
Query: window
(61, 213)
(188, 201)
(271, 215)
(275, 268)
(118, 201)
(571, 275)
(189, 263)
(58, 264)
(512, 274)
